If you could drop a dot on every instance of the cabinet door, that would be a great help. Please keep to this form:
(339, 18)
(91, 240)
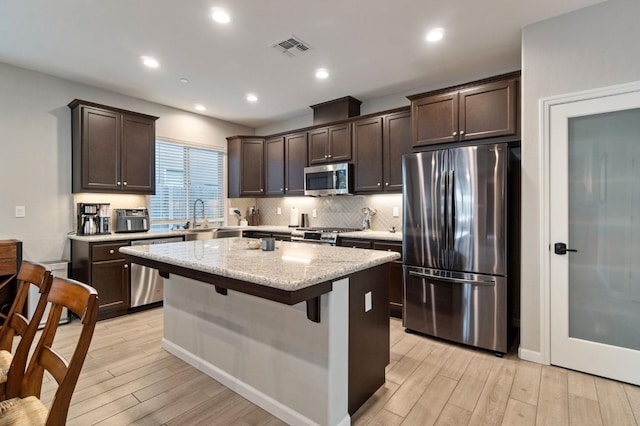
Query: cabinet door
(318, 145)
(295, 160)
(488, 110)
(354, 243)
(251, 168)
(274, 166)
(100, 147)
(435, 119)
(138, 155)
(367, 154)
(339, 143)
(396, 142)
(111, 279)
(396, 290)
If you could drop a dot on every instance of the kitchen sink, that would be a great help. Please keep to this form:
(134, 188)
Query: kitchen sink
(200, 234)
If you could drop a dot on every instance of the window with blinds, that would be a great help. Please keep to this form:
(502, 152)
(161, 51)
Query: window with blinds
(183, 175)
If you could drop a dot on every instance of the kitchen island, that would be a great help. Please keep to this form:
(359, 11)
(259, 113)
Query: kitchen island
(301, 331)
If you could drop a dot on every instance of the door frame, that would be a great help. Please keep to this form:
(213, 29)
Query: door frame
(546, 105)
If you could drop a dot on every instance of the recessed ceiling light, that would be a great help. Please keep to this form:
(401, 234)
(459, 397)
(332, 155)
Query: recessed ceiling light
(252, 98)
(322, 73)
(220, 15)
(199, 107)
(435, 34)
(184, 80)
(149, 61)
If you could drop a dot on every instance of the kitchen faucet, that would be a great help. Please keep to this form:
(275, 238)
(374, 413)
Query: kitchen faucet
(195, 222)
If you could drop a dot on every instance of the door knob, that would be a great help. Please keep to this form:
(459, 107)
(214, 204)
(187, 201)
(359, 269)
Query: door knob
(561, 248)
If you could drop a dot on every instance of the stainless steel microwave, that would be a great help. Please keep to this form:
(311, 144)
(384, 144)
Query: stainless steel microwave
(328, 179)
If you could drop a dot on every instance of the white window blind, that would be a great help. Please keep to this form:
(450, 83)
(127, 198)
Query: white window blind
(184, 174)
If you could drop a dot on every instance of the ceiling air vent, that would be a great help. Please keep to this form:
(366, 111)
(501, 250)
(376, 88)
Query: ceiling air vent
(291, 47)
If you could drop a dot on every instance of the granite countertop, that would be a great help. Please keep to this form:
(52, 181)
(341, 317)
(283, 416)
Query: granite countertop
(291, 267)
(364, 235)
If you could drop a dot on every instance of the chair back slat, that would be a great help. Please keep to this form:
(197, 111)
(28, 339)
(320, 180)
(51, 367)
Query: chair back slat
(82, 300)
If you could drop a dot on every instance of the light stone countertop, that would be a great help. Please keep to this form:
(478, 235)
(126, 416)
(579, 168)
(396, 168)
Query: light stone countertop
(364, 235)
(291, 267)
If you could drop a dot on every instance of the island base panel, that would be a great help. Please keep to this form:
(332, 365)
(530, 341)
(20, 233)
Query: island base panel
(266, 351)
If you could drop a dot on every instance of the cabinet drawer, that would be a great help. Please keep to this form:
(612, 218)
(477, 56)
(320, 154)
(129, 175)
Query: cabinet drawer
(101, 252)
(389, 247)
(355, 243)
(8, 259)
(8, 251)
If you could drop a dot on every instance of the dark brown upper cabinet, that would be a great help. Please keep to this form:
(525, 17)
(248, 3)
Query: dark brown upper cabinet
(396, 141)
(113, 150)
(480, 111)
(330, 144)
(246, 166)
(295, 160)
(274, 166)
(367, 154)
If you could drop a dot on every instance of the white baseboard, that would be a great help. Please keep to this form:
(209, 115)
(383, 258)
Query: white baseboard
(529, 355)
(262, 400)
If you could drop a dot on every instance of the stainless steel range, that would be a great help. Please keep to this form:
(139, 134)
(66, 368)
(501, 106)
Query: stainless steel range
(319, 235)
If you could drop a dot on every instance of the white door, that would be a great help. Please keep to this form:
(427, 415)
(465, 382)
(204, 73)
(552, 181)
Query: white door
(594, 188)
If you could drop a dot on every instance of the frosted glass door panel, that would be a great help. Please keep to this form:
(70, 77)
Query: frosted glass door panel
(604, 226)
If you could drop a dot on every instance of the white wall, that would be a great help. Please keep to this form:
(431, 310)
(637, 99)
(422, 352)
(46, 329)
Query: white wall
(35, 152)
(590, 48)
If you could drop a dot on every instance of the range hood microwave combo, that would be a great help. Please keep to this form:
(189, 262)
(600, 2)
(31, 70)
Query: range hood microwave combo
(328, 179)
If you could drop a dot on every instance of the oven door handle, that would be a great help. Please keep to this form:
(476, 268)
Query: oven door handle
(452, 280)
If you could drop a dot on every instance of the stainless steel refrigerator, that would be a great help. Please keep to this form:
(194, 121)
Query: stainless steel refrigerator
(460, 219)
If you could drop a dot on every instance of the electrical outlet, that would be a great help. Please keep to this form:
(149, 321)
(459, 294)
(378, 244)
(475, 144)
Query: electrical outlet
(231, 209)
(396, 212)
(314, 213)
(367, 302)
(21, 211)
(278, 211)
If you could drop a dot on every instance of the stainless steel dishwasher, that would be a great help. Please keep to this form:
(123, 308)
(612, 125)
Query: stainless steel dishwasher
(146, 284)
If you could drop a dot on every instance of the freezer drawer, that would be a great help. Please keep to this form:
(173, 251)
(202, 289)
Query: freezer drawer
(464, 308)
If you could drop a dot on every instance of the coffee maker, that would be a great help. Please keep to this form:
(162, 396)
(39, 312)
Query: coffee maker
(94, 219)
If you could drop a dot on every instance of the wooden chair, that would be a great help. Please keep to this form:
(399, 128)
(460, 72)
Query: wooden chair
(17, 324)
(23, 405)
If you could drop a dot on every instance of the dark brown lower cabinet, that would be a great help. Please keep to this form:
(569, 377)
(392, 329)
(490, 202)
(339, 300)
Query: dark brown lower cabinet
(103, 267)
(395, 269)
(396, 290)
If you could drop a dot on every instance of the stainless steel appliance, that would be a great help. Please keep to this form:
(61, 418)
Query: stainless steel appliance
(132, 220)
(146, 283)
(319, 235)
(457, 241)
(93, 219)
(328, 179)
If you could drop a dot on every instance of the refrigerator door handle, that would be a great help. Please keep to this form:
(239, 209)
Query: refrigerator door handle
(452, 190)
(453, 280)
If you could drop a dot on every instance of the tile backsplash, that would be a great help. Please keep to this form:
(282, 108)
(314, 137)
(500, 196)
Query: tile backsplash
(338, 211)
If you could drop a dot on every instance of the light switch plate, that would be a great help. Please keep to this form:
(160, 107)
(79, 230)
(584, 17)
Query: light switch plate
(21, 211)
(278, 211)
(314, 213)
(396, 212)
(367, 301)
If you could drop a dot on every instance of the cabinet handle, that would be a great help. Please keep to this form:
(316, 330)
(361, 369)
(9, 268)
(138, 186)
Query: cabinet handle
(461, 132)
(126, 266)
(326, 156)
(386, 184)
(378, 183)
(455, 133)
(119, 183)
(280, 189)
(111, 251)
(329, 156)
(124, 183)
(286, 189)
(261, 189)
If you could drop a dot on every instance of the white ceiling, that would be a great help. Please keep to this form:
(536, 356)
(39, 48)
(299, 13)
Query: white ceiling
(372, 48)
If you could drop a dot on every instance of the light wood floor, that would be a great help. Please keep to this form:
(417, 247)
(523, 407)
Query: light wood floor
(128, 379)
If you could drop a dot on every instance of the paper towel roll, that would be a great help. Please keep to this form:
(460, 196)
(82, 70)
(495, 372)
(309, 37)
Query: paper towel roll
(293, 218)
